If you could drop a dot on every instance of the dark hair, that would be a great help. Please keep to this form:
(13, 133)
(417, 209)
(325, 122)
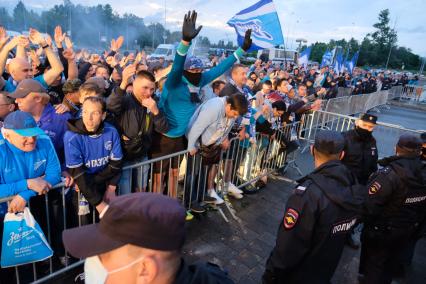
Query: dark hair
(216, 84)
(146, 75)
(238, 102)
(278, 82)
(236, 66)
(99, 100)
(279, 105)
(90, 87)
(98, 66)
(302, 85)
(252, 73)
(267, 82)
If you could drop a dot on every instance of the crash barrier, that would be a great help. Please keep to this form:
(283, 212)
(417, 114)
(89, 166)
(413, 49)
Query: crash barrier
(357, 103)
(386, 134)
(178, 175)
(344, 92)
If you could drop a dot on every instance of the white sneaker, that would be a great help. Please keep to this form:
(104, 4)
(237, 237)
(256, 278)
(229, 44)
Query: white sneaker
(233, 189)
(212, 193)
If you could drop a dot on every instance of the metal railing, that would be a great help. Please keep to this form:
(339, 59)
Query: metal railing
(242, 164)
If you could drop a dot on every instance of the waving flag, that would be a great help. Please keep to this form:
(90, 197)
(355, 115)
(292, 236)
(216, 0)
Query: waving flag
(327, 58)
(350, 65)
(338, 63)
(262, 19)
(304, 57)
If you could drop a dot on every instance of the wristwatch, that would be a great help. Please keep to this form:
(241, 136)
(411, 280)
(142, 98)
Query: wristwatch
(45, 46)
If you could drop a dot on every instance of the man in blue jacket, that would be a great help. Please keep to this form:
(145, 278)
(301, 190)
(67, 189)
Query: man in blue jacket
(180, 99)
(28, 162)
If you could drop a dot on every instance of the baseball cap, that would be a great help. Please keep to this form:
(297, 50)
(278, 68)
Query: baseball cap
(368, 118)
(22, 123)
(27, 86)
(147, 220)
(71, 86)
(409, 142)
(329, 142)
(193, 62)
(98, 81)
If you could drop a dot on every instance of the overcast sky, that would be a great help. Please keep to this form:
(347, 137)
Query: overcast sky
(314, 20)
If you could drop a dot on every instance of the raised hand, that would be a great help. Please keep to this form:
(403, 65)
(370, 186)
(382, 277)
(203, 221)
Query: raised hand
(128, 72)
(68, 42)
(24, 42)
(3, 37)
(59, 36)
(189, 32)
(36, 37)
(116, 44)
(247, 40)
(69, 54)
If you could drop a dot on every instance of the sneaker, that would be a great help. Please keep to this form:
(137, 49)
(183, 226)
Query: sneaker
(208, 199)
(234, 192)
(196, 208)
(212, 193)
(189, 216)
(233, 188)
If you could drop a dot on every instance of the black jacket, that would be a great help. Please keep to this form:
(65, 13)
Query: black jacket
(93, 186)
(318, 215)
(134, 123)
(201, 273)
(360, 155)
(229, 89)
(397, 193)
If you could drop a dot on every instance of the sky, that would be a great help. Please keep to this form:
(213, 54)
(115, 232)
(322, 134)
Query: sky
(313, 20)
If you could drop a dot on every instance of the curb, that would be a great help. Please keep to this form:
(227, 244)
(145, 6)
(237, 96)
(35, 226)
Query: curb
(408, 105)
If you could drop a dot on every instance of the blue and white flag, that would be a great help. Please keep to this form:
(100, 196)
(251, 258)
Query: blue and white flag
(350, 65)
(304, 57)
(327, 58)
(338, 63)
(262, 19)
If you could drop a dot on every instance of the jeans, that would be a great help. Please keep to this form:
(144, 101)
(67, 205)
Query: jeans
(134, 178)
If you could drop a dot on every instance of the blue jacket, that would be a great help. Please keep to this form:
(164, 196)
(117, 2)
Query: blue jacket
(12, 84)
(17, 166)
(55, 126)
(175, 99)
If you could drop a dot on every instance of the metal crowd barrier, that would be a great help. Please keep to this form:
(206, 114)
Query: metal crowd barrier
(357, 103)
(243, 164)
(344, 92)
(386, 134)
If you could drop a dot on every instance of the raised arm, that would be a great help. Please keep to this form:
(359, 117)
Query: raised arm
(55, 63)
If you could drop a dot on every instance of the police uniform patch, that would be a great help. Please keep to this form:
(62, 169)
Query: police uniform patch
(374, 188)
(290, 218)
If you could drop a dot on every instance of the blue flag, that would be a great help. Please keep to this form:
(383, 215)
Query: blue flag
(350, 65)
(338, 63)
(262, 19)
(304, 57)
(327, 58)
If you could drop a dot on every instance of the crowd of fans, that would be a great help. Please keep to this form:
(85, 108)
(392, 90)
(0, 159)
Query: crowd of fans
(100, 112)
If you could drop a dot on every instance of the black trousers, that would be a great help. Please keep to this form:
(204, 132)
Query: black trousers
(380, 250)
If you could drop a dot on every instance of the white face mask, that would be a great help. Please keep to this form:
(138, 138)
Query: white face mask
(95, 272)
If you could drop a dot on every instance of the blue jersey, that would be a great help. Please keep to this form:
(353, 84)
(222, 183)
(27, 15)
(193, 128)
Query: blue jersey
(11, 84)
(92, 151)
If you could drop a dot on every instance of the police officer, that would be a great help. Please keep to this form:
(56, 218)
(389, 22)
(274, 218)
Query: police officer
(318, 215)
(395, 208)
(361, 158)
(360, 148)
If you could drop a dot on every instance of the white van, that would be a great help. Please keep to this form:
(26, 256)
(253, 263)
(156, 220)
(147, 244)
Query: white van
(167, 51)
(277, 55)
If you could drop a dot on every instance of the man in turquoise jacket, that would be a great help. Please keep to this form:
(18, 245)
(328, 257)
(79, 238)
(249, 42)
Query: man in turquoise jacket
(179, 98)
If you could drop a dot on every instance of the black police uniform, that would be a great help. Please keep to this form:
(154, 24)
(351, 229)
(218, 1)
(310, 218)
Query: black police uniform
(360, 153)
(395, 207)
(311, 237)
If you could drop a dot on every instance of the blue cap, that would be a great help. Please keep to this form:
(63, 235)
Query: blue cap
(22, 123)
(193, 62)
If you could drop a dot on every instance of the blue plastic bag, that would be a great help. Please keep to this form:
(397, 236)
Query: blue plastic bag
(23, 240)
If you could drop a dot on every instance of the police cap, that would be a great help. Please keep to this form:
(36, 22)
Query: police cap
(409, 142)
(368, 118)
(329, 142)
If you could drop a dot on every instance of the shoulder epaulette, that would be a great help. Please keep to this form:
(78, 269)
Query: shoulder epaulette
(301, 188)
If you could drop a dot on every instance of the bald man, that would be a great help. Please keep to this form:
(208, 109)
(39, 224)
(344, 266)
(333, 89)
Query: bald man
(20, 68)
